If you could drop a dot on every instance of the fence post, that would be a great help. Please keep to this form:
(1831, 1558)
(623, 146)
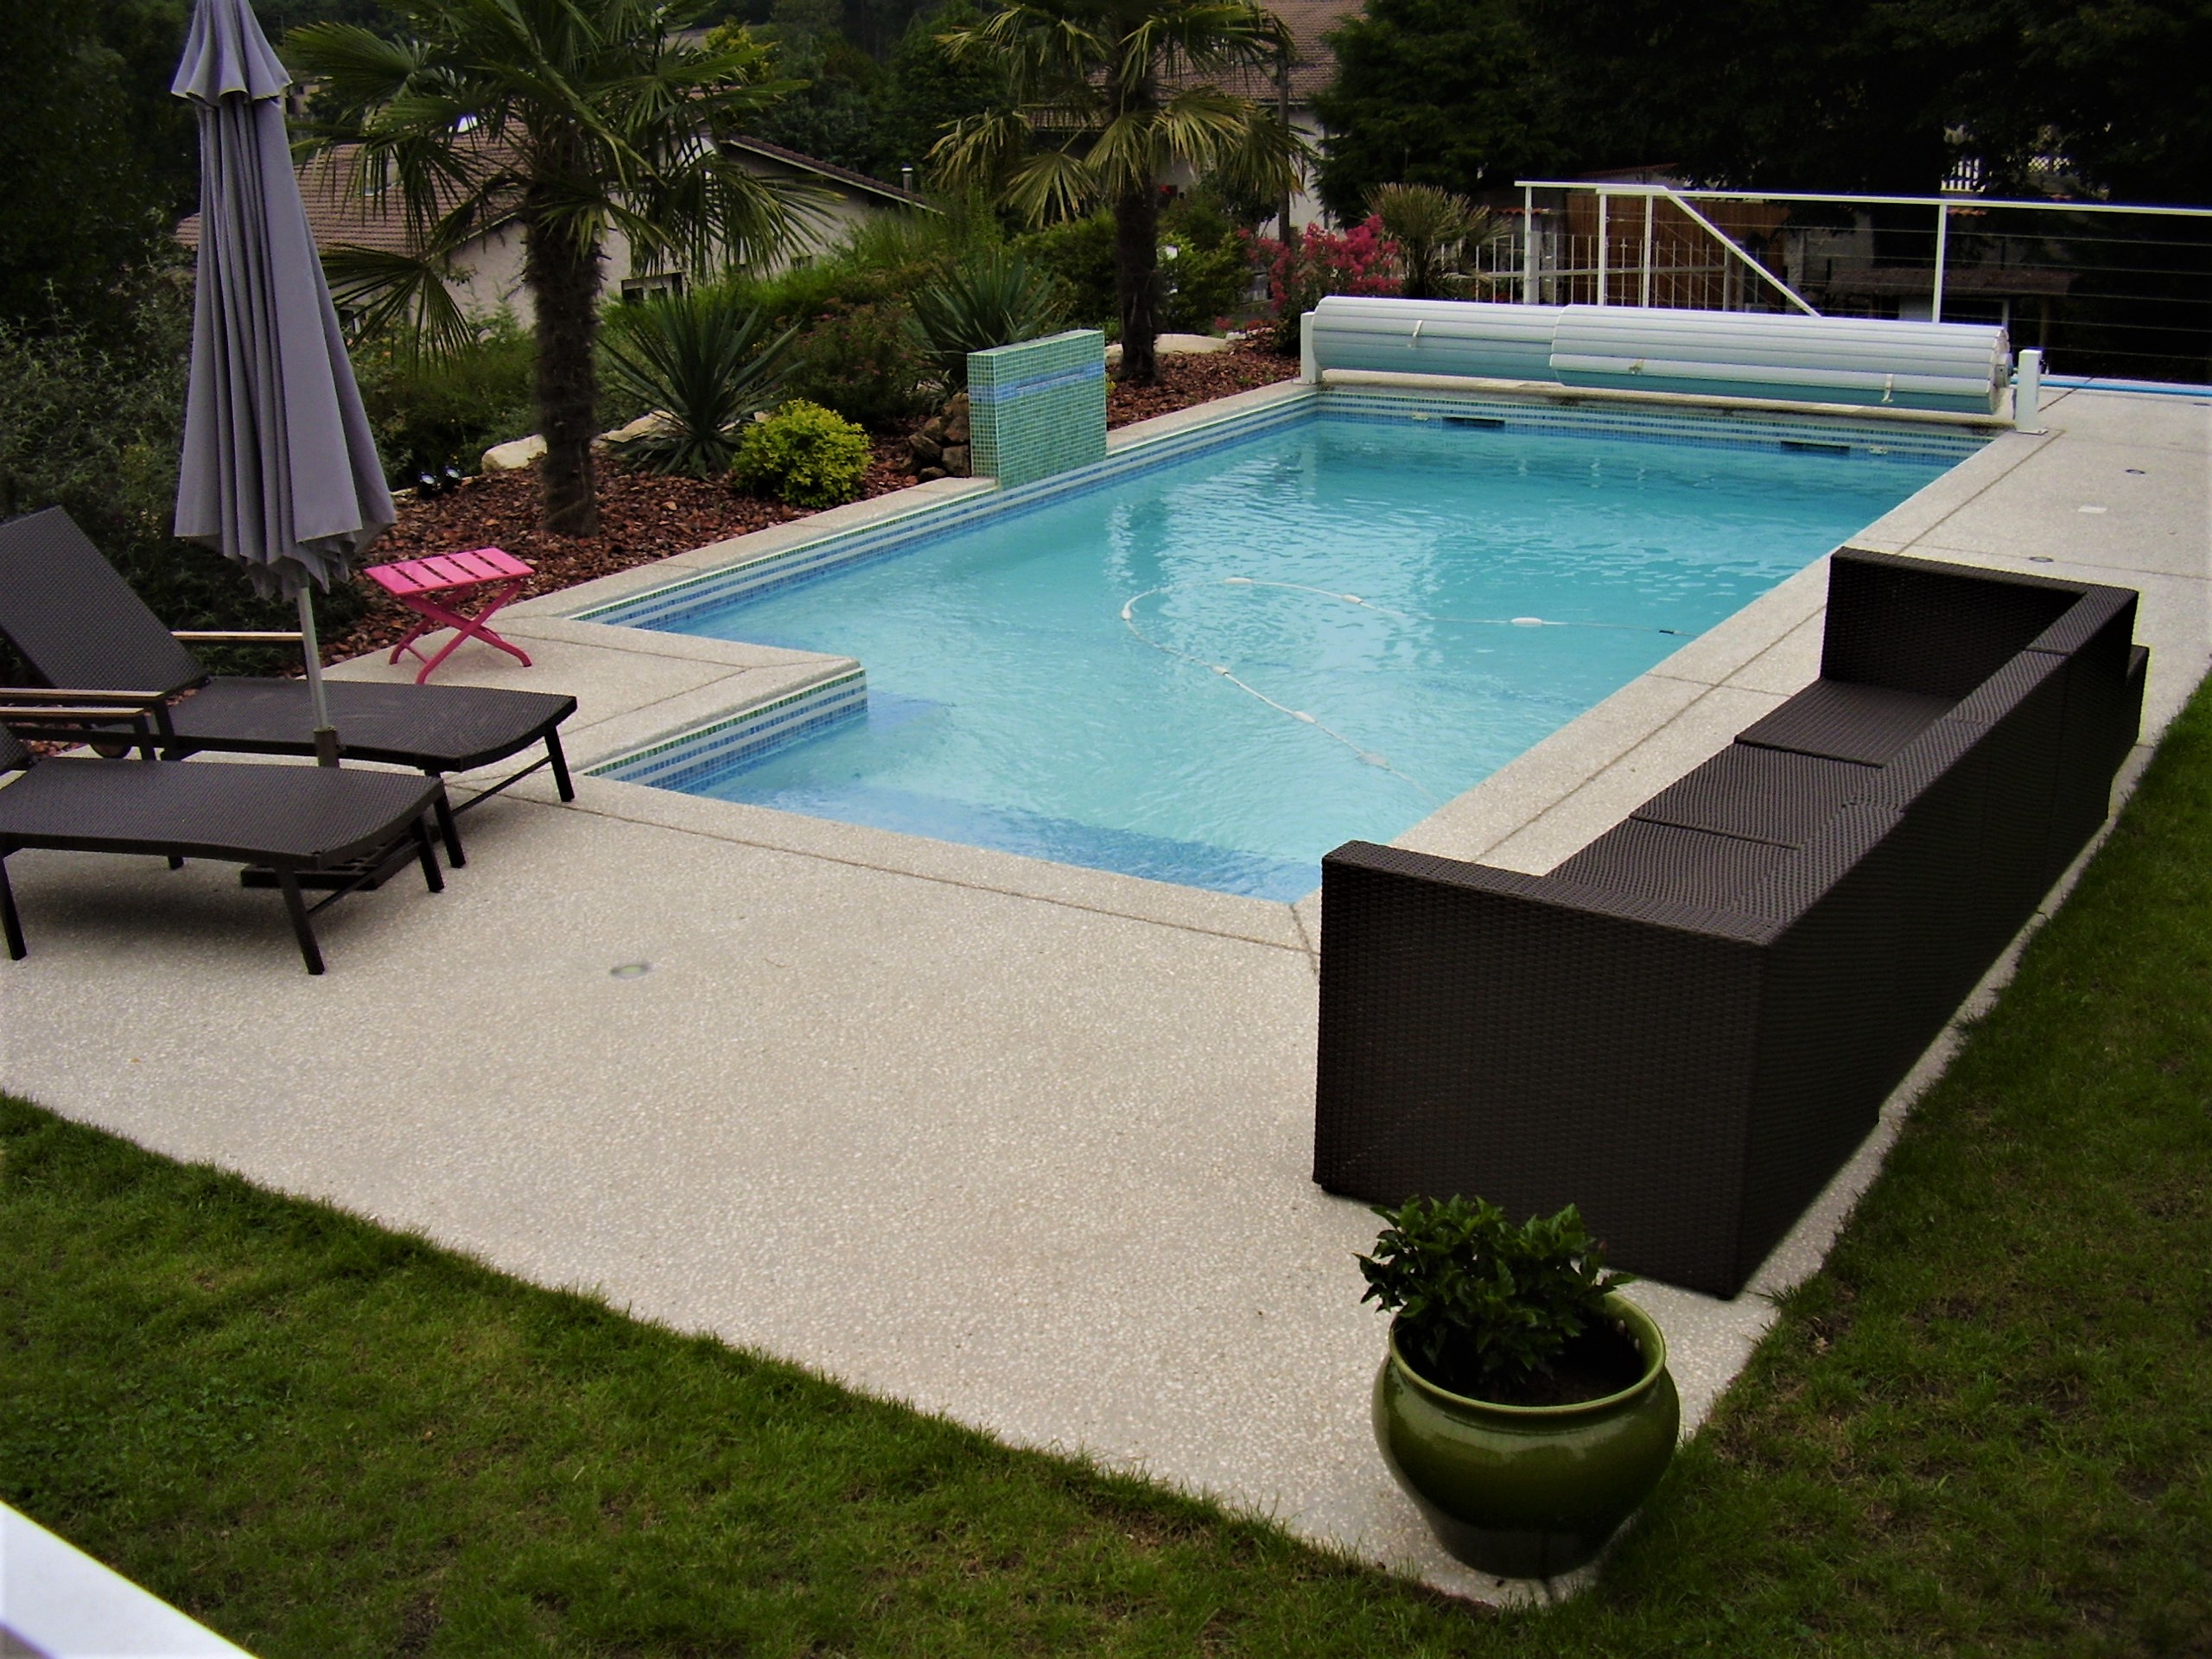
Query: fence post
(1645, 294)
(1601, 247)
(2027, 392)
(1942, 246)
(1529, 246)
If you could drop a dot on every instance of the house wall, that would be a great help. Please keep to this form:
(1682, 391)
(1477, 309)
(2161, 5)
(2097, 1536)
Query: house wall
(491, 267)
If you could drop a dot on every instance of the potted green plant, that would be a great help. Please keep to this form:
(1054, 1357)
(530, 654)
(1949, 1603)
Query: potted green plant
(1524, 1404)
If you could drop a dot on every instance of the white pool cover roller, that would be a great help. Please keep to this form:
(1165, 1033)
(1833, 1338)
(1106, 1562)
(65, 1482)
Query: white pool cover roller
(1493, 342)
(1962, 367)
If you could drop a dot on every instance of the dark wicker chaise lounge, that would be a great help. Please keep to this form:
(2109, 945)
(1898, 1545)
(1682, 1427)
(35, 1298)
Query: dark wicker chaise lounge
(1689, 1026)
(80, 629)
(291, 819)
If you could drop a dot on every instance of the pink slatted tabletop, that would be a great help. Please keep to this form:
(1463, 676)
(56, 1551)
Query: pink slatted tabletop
(434, 587)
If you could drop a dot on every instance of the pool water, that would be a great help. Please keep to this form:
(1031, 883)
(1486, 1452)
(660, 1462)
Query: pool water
(1213, 670)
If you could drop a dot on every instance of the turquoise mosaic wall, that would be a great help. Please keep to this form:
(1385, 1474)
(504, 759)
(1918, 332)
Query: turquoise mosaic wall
(1037, 408)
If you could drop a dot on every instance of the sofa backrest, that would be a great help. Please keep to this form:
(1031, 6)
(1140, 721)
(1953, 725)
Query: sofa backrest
(1937, 630)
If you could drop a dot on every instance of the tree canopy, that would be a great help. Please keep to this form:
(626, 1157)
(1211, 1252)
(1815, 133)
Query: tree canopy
(1844, 95)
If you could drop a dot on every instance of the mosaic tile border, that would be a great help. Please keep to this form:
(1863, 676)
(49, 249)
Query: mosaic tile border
(742, 738)
(667, 607)
(659, 608)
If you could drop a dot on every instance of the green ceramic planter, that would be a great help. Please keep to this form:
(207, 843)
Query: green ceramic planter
(1528, 1491)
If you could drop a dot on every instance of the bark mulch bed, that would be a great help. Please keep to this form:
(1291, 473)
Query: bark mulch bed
(643, 518)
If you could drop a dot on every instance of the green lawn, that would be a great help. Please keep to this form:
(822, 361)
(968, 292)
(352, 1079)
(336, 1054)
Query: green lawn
(1985, 1428)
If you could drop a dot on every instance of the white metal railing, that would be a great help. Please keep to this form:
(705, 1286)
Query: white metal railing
(1562, 264)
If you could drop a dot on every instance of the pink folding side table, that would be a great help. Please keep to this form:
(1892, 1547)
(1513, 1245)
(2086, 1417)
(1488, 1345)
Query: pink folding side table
(434, 587)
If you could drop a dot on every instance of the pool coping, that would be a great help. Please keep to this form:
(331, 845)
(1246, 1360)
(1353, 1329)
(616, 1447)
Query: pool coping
(1534, 810)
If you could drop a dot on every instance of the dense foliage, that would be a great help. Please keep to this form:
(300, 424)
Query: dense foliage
(994, 299)
(435, 414)
(579, 119)
(1112, 96)
(1483, 1305)
(804, 455)
(704, 364)
(92, 419)
(1867, 95)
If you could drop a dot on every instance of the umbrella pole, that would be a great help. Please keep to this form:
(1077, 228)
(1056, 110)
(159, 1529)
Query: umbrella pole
(325, 735)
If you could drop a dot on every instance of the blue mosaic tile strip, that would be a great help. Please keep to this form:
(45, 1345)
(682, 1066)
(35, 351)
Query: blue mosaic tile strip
(1037, 408)
(738, 740)
(669, 606)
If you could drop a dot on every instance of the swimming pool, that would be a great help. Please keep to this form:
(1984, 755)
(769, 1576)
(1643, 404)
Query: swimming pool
(1210, 670)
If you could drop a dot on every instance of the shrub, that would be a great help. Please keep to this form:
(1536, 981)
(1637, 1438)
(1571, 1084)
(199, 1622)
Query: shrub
(862, 361)
(995, 299)
(433, 411)
(1080, 255)
(1430, 225)
(1321, 262)
(92, 421)
(1205, 266)
(1484, 1307)
(701, 360)
(803, 454)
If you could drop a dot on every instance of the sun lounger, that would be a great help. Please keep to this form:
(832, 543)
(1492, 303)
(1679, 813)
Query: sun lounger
(292, 820)
(78, 626)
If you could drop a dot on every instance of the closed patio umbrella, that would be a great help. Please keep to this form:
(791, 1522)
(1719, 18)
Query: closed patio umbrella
(279, 471)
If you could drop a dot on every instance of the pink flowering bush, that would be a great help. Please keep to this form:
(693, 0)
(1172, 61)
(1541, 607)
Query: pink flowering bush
(1361, 260)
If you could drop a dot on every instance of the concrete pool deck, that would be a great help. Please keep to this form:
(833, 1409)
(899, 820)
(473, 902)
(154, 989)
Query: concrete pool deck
(1025, 1144)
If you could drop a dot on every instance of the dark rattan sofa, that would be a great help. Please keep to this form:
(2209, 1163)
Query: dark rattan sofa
(1689, 1026)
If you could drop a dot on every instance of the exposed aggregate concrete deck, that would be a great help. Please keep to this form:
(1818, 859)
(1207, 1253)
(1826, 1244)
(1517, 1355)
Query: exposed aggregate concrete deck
(1020, 1142)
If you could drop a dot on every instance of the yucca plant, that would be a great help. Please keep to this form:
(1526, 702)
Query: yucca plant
(1430, 226)
(997, 298)
(698, 360)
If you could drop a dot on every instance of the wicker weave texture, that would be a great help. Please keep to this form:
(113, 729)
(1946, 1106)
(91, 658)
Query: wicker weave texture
(1687, 1027)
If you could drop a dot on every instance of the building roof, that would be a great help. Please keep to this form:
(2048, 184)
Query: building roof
(1312, 65)
(829, 170)
(339, 212)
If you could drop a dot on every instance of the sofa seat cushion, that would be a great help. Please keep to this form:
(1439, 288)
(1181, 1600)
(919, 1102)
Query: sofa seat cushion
(1760, 794)
(1846, 720)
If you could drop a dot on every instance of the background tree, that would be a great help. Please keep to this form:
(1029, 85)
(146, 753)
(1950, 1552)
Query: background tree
(1876, 96)
(581, 119)
(1109, 96)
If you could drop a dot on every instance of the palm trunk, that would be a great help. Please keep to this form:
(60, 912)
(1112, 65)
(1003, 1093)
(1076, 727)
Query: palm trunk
(1136, 258)
(564, 285)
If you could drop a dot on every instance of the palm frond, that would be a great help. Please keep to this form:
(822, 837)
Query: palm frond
(400, 295)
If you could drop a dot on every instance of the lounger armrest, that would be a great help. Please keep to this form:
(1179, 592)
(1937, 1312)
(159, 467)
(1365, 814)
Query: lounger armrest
(110, 703)
(63, 713)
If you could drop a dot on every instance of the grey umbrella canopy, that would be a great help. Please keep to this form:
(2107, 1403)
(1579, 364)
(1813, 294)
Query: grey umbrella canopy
(280, 470)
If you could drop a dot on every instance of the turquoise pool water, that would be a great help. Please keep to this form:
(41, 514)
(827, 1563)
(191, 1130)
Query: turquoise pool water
(1212, 671)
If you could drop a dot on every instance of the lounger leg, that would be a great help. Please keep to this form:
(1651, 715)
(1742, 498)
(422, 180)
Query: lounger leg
(447, 829)
(296, 907)
(428, 852)
(10, 923)
(560, 764)
(175, 863)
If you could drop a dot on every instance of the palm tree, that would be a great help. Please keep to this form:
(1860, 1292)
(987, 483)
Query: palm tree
(1110, 96)
(579, 119)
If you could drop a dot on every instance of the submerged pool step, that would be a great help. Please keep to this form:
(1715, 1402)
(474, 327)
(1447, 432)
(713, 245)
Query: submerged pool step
(682, 759)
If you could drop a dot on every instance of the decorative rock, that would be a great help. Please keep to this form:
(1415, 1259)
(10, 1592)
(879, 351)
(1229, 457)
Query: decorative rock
(1174, 346)
(928, 472)
(924, 448)
(513, 457)
(955, 459)
(652, 421)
